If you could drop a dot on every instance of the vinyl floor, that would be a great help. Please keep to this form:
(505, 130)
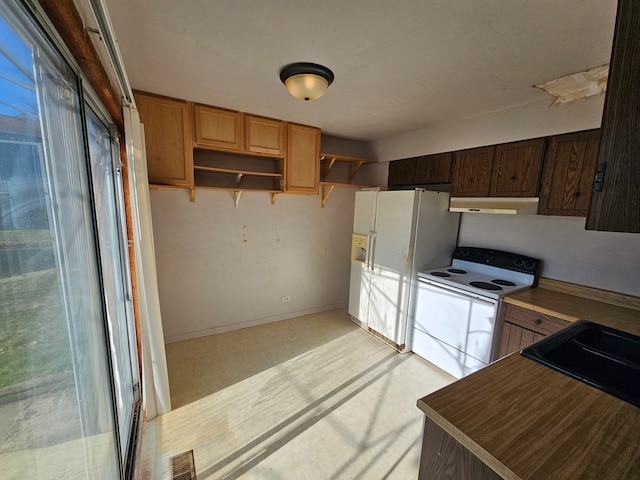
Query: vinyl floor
(312, 397)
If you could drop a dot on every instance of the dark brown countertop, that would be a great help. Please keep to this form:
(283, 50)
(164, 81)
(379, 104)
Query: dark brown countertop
(527, 421)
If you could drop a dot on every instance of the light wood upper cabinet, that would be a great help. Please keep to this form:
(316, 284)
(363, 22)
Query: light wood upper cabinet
(517, 167)
(472, 172)
(302, 170)
(218, 128)
(167, 133)
(264, 135)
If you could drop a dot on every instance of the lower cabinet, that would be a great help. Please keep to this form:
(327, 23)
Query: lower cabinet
(443, 457)
(523, 327)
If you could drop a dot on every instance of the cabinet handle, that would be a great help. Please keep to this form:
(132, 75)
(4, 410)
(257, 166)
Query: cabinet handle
(576, 195)
(538, 321)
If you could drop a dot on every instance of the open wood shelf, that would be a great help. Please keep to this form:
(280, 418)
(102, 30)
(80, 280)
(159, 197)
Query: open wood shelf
(237, 192)
(329, 164)
(338, 171)
(159, 186)
(339, 184)
(236, 172)
(232, 189)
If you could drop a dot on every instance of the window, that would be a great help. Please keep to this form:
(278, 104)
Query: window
(68, 369)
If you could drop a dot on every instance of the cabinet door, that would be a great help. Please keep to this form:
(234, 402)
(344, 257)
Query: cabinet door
(514, 338)
(302, 172)
(616, 207)
(434, 168)
(218, 128)
(167, 134)
(402, 172)
(517, 168)
(265, 135)
(523, 327)
(443, 457)
(472, 172)
(568, 174)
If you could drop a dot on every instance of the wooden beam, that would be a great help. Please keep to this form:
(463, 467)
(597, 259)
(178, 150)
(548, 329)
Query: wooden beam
(131, 250)
(67, 21)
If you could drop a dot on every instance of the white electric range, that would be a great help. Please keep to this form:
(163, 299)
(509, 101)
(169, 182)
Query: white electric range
(458, 306)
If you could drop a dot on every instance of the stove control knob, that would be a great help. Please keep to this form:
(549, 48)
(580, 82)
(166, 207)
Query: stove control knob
(529, 264)
(518, 262)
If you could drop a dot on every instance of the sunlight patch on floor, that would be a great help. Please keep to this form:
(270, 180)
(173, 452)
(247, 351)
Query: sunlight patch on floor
(311, 397)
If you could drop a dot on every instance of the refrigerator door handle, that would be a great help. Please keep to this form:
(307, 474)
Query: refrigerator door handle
(371, 245)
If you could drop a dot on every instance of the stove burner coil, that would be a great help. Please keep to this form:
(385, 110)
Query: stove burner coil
(457, 271)
(439, 274)
(504, 283)
(485, 286)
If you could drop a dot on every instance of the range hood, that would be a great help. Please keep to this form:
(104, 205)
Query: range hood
(512, 206)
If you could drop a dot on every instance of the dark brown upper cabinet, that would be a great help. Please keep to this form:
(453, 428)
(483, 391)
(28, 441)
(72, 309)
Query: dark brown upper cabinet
(616, 207)
(472, 170)
(568, 173)
(434, 168)
(428, 169)
(402, 172)
(517, 167)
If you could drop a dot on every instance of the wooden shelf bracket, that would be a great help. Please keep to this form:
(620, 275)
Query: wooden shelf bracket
(326, 192)
(236, 197)
(353, 168)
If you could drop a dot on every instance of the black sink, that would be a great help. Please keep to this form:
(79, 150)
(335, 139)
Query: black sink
(602, 357)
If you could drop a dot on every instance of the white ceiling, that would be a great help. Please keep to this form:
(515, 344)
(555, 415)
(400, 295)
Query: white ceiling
(399, 65)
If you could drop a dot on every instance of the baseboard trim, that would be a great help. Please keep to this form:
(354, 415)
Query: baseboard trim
(250, 323)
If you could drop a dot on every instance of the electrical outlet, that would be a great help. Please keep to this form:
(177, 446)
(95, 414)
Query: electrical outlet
(286, 298)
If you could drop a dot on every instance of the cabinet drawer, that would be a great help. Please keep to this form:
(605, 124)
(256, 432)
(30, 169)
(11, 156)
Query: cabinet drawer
(532, 320)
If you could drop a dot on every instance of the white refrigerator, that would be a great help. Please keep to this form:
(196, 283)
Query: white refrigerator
(396, 234)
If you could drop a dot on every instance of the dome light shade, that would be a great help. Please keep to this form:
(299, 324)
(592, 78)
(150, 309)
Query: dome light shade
(306, 81)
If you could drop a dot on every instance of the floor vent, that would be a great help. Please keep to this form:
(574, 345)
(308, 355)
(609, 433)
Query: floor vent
(183, 467)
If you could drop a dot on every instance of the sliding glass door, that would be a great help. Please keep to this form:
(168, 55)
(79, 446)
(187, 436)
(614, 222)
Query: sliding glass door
(106, 175)
(68, 365)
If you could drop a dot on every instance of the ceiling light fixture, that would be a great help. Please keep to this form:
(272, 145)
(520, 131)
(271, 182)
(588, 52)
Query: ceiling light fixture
(306, 81)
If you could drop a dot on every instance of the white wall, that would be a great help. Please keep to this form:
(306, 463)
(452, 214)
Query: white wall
(570, 253)
(527, 121)
(221, 268)
(607, 260)
(375, 174)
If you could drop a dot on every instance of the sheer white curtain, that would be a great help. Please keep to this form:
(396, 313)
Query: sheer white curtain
(155, 381)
